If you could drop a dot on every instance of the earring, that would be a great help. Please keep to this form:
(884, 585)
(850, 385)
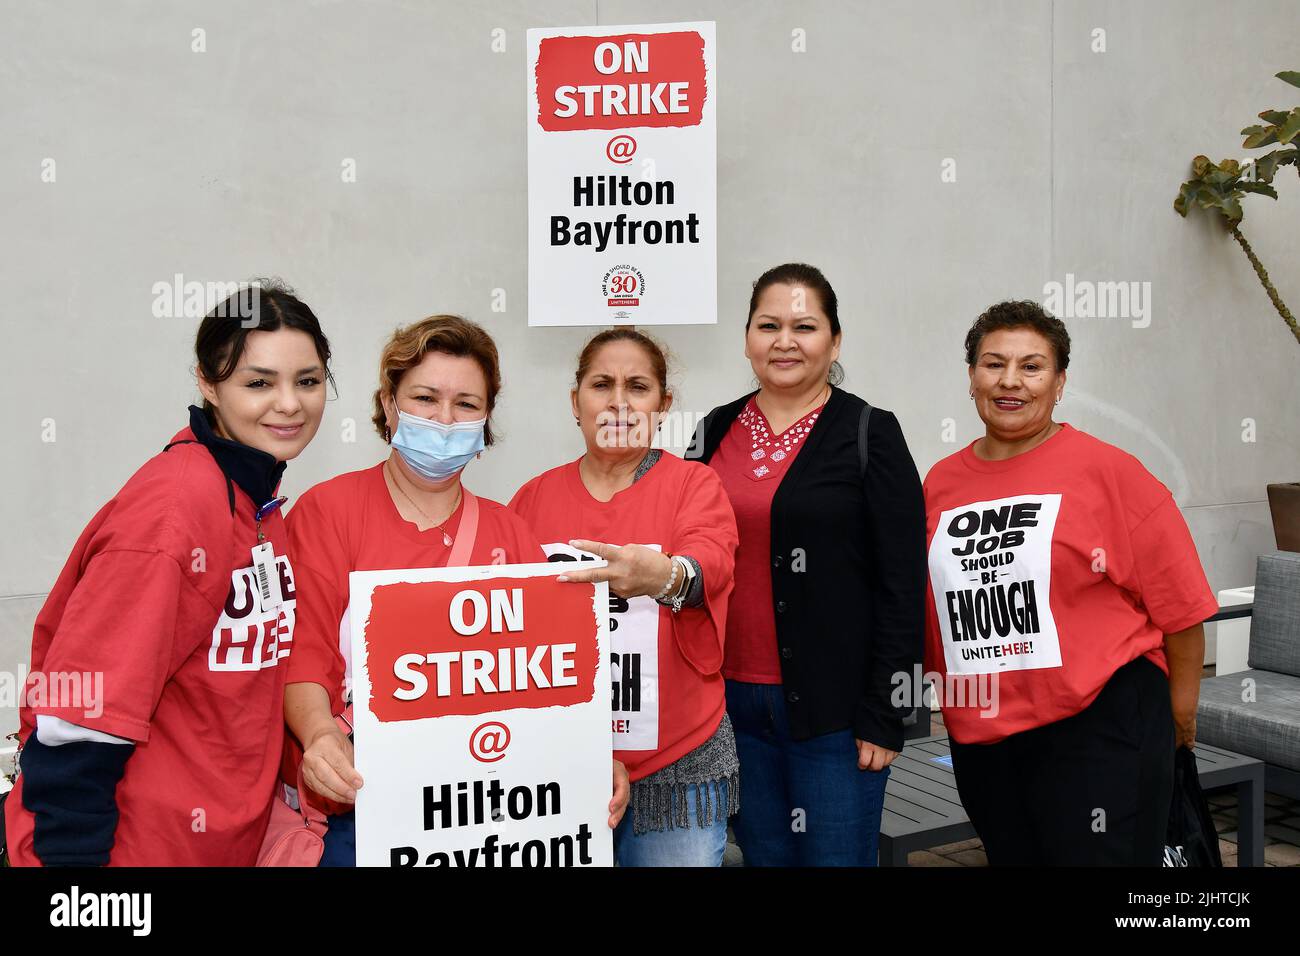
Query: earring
(1058, 399)
(972, 396)
(578, 422)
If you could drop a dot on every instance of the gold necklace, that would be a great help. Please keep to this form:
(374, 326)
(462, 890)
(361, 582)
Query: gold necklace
(446, 538)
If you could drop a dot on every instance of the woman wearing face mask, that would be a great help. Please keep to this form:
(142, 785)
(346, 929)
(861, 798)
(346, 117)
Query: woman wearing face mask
(438, 384)
(830, 580)
(666, 530)
(1066, 589)
(155, 599)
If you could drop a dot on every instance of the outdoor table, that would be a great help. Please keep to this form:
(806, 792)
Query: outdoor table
(922, 808)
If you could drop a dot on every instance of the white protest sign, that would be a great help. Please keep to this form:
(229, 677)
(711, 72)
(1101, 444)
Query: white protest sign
(481, 709)
(622, 175)
(991, 571)
(634, 651)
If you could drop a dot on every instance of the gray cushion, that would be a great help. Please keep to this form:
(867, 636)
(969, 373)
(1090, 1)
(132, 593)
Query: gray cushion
(1267, 728)
(1275, 621)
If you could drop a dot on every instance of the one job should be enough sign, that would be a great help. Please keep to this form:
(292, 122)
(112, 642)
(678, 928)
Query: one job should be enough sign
(622, 175)
(482, 717)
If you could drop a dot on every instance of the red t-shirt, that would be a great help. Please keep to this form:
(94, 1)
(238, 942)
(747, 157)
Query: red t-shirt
(158, 596)
(668, 695)
(1049, 571)
(751, 460)
(350, 523)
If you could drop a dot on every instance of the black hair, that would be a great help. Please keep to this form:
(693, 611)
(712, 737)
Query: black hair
(1020, 314)
(264, 305)
(802, 274)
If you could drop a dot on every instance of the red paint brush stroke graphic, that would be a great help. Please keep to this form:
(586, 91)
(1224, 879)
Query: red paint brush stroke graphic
(412, 618)
(570, 61)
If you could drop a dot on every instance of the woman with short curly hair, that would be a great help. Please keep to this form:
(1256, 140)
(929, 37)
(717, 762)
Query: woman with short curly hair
(1066, 601)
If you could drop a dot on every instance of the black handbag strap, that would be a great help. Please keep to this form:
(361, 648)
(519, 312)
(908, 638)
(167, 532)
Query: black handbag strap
(864, 421)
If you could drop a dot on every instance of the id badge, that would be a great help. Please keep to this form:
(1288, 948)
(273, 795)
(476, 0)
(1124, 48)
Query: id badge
(269, 596)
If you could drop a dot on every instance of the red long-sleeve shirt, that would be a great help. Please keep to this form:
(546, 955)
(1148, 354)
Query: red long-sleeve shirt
(668, 687)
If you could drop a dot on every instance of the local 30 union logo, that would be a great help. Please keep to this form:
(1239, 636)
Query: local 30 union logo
(623, 286)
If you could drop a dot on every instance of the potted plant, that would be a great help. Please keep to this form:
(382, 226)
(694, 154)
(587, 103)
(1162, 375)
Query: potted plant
(1221, 187)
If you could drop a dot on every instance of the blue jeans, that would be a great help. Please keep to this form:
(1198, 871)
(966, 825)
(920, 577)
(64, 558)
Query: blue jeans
(806, 802)
(341, 841)
(680, 846)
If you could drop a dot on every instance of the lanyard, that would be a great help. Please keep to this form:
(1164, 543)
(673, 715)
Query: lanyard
(266, 510)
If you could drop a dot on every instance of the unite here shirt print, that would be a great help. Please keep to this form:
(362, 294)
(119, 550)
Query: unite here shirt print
(247, 638)
(991, 571)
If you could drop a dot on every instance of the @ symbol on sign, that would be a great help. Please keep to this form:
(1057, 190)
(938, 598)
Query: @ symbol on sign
(621, 149)
(488, 742)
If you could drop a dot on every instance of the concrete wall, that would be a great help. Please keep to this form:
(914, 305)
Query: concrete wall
(225, 165)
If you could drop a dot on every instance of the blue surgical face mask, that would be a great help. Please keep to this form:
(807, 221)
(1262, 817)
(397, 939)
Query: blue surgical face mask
(436, 451)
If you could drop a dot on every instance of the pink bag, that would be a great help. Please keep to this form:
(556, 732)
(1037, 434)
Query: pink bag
(297, 837)
(293, 837)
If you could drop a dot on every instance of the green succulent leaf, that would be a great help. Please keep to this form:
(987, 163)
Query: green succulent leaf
(1199, 165)
(1289, 76)
(1231, 208)
(1266, 166)
(1276, 117)
(1207, 197)
(1288, 130)
(1262, 188)
(1220, 179)
(1264, 137)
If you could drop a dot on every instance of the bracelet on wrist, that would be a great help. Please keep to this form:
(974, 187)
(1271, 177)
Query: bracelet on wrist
(684, 585)
(672, 580)
(688, 582)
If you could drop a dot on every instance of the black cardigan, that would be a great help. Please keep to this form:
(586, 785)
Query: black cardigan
(848, 571)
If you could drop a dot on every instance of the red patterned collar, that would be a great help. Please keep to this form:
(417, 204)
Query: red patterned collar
(766, 448)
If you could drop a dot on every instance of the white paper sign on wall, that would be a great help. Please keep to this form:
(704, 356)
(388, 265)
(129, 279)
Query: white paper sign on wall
(622, 175)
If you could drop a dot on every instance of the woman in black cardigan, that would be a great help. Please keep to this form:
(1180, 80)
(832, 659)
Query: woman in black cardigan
(827, 617)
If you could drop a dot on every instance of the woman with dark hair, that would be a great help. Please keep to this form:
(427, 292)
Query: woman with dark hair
(830, 578)
(666, 532)
(180, 596)
(1065, 587)
(438, 384)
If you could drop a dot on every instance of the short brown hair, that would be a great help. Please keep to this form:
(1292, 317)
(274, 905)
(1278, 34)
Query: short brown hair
(658, 360)
(450, 334)
(1021, 314)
